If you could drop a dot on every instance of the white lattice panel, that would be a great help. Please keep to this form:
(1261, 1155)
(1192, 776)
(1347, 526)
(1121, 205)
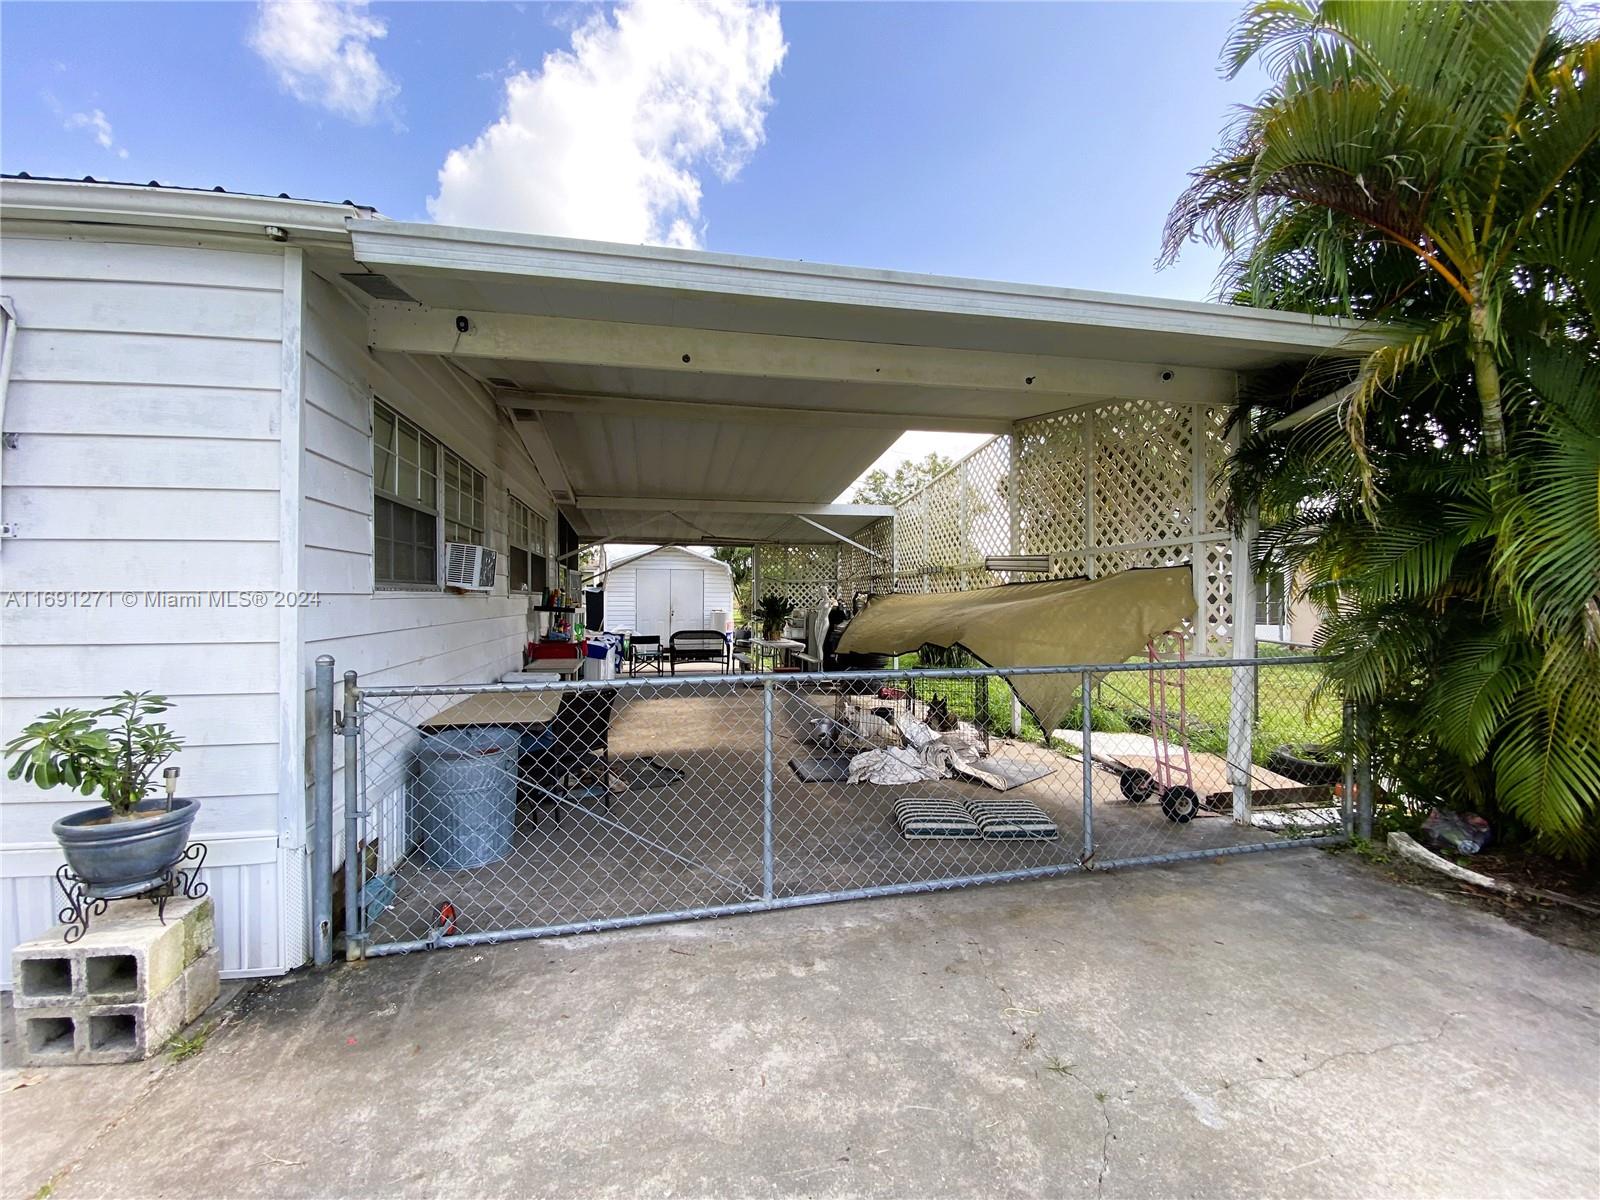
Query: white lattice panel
(862, 572)
(807, 575)
(1101, 489)
(1051, 498)
(1143, 473)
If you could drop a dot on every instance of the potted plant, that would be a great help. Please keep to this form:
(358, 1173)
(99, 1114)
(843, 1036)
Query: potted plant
(774, 610)
(126, 845)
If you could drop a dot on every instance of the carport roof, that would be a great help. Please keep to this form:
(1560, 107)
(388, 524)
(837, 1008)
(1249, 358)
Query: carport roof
(679, 395)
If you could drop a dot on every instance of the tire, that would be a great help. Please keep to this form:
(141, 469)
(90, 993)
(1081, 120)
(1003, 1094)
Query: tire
(1307, 763)
(1180, 803)
(1137, 786)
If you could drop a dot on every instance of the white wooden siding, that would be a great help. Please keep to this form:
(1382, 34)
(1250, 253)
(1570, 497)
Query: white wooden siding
(621, 585)
(146, 397)
(396, 636)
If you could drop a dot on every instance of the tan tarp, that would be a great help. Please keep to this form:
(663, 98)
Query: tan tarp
(1055, 623)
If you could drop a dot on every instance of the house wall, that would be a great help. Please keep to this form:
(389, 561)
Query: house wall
(393, 637)
(146, 399)
(621, 584)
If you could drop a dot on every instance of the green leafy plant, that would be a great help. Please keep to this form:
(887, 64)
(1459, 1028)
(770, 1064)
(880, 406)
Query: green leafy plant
(1432, 167)
(114, 751)
(774, 610)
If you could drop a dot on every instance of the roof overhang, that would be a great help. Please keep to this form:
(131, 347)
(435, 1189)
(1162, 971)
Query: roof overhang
(674, 395)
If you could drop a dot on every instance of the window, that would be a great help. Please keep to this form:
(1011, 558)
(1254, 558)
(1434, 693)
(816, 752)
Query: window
(527, 536)
(405, 508)
(416, 482)
(465, 501)
(1272, 602)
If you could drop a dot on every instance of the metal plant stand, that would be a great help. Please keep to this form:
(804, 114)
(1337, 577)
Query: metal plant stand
(84, 900)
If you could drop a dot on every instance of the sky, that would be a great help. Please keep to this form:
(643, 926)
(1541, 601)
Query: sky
(1038, 143)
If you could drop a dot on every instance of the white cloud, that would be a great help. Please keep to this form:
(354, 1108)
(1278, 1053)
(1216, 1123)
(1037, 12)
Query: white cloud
(99, 128)
(321, 51)
(608, 139)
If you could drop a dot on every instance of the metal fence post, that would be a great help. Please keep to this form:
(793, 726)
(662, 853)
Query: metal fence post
(354, 935)
(1363, 771)
(1347, 799)
(322, 818)
(1088, 770)
(766, 790)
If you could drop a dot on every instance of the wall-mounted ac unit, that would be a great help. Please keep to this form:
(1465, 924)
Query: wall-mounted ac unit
(468, 567)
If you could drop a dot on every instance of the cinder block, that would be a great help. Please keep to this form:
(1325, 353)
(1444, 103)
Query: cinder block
(127, 956)
(202, 984)
(88, 1033)
(49, 1036)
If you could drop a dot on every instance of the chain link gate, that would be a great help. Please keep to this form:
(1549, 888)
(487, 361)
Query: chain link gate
(482, 813)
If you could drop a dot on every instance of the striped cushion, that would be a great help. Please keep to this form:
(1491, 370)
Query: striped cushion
(921, 817)
(1007, 820)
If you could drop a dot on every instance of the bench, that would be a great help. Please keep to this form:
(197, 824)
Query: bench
(697, 645)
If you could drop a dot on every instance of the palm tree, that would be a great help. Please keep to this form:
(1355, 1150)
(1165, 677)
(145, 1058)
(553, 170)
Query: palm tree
(1433, 166)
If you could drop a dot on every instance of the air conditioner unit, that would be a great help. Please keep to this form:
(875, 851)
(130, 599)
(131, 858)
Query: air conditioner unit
(468, 567)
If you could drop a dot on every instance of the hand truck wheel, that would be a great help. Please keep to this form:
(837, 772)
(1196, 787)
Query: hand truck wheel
(1137, 786)
(1180, 803)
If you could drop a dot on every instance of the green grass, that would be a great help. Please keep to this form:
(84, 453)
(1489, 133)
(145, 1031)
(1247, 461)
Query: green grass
(1284, 711)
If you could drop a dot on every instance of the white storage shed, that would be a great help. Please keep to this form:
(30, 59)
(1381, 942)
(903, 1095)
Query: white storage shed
(667, 589)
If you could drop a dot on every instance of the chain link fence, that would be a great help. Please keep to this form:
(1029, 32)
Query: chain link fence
(489, 812)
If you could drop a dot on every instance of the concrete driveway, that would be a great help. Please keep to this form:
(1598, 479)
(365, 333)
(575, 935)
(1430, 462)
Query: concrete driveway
(1290, 1024)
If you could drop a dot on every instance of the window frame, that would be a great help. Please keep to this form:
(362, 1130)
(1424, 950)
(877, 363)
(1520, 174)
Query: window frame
(426, 462)
(527, 536)
(422, 499)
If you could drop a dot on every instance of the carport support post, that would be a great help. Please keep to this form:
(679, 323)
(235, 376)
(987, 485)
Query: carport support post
(354, 938)
(766, 790)
(1088, 769)
(1242, 703)
(322, 818)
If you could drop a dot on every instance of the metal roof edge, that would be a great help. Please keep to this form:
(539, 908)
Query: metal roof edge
(174, 208)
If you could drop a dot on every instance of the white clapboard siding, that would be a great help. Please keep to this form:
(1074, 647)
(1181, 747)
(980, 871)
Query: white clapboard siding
(98, 460)
(142, 409)
(395, 637)
(165, 514)
(147, 400)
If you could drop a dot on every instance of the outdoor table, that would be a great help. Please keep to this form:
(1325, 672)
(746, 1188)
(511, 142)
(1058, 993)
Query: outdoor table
(498, 708)
(773, 648)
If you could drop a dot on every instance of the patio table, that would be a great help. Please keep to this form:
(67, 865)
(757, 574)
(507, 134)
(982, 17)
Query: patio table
(498, 708)
(773, 648)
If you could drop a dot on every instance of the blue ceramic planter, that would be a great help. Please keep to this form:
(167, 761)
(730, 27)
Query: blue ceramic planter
(125, 857)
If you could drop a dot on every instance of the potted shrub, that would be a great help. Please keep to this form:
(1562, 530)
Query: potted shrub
(774, 610)
(125, 845)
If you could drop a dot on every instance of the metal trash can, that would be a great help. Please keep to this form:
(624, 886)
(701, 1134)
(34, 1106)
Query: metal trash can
(463, 796)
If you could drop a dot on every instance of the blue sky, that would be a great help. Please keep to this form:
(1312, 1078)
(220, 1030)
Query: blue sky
(1032, 142)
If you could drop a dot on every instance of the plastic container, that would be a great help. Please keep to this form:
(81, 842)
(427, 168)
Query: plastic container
(463, 796)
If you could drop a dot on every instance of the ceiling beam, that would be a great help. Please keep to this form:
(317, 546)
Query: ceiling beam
(773, 508)
(518, 337)
(834, 533)
(657, 407)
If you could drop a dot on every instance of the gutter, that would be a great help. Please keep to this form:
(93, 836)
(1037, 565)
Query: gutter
(178, 209)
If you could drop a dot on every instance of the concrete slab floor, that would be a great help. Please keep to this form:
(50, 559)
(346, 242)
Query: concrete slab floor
(1288, 1024)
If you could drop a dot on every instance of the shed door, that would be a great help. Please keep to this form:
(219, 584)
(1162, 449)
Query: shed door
(667, 600)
